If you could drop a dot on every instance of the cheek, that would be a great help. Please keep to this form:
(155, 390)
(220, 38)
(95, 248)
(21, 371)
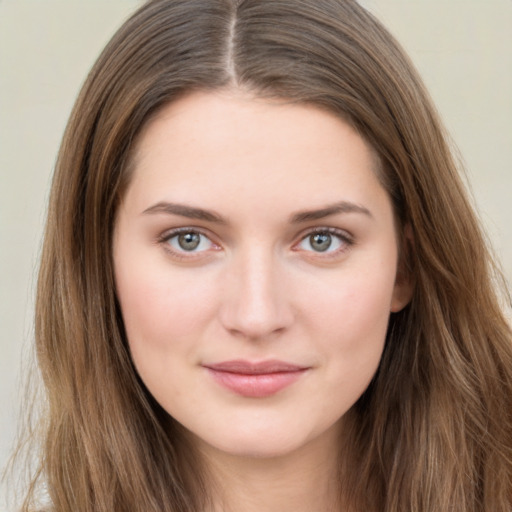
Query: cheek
(352, 315)
(354, 302)
(164, 326)
(162, 310)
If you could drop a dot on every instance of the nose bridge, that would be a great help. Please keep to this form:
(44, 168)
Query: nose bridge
(256, 302)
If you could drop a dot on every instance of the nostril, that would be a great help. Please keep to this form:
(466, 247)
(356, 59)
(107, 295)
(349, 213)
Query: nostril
(256, 312)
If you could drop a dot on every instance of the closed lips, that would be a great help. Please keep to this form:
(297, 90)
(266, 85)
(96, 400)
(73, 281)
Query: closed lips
(255, 380)
(257, 368)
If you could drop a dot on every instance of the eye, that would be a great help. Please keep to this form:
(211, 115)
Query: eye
(187, 240)
(325, 240)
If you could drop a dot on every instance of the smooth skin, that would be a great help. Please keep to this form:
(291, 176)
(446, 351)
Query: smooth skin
(257, 230)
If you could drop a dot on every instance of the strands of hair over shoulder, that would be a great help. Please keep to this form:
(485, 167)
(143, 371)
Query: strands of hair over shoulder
(433, 431)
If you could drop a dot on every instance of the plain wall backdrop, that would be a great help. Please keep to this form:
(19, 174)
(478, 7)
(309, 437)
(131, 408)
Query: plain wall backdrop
(462, 48)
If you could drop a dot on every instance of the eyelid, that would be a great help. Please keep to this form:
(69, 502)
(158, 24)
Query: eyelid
(346, 238)
(167, 235)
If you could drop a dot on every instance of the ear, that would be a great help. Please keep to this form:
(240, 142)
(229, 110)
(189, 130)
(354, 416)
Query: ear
(404, 281)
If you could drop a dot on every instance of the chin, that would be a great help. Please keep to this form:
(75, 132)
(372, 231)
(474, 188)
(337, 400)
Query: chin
(261, 449)
(262, 443)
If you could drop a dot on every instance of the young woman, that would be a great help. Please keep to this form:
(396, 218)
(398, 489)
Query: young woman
(262, 284)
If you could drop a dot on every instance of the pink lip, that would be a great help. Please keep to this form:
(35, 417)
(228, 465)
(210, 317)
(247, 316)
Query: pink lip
(255, 379)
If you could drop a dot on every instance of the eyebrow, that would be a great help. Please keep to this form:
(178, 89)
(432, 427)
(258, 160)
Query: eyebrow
(183, 210)
(333, 209)
(193, 212)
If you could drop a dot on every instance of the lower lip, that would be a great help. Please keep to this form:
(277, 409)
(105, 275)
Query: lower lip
(255, 386)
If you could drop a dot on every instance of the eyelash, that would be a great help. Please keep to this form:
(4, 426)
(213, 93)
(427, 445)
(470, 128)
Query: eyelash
(166, 237)
(345, 239)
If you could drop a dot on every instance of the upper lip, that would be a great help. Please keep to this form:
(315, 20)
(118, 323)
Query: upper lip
(255, 368)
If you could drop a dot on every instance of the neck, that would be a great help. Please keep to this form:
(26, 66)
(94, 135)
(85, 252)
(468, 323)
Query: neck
(305, 480)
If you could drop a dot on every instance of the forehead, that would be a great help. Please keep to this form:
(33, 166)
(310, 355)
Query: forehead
(210, 146)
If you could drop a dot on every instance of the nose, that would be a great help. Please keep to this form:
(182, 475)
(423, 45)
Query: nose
(256, 302)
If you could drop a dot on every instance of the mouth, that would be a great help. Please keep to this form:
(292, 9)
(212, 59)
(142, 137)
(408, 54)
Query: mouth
(255, 379)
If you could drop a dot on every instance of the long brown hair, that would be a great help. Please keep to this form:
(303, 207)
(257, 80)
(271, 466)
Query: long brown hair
(433, 432)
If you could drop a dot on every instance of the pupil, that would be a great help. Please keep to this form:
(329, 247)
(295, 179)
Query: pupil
(321, 241)
(188, 241)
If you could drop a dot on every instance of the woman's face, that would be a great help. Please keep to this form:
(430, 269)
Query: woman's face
(255, 259)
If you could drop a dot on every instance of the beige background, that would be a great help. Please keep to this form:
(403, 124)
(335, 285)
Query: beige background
(463, 48)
